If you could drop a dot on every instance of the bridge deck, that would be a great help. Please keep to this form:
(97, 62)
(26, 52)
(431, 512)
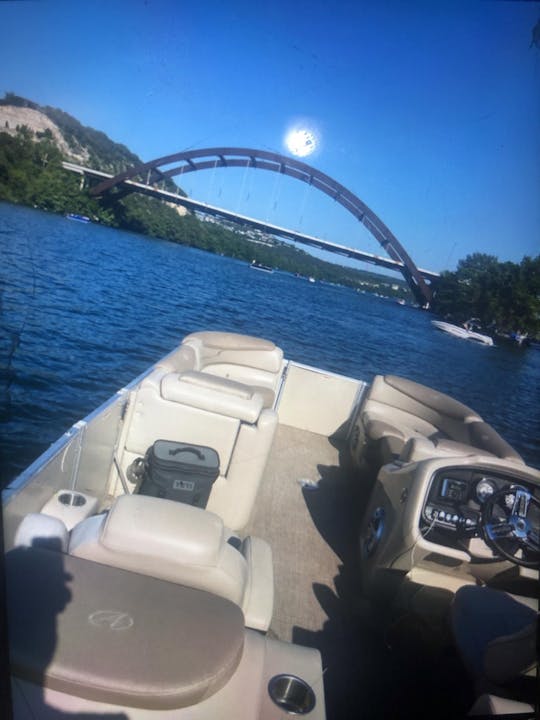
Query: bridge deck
(269, 228)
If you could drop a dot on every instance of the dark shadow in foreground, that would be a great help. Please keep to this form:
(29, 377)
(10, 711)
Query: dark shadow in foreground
(37, 593)
(374, 668)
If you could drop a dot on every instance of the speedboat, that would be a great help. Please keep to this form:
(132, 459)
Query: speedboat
(239, 535)
(465, 333)
(79, 218)
(260, 266)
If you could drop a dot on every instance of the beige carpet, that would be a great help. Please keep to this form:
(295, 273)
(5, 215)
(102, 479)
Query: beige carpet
(305, 550)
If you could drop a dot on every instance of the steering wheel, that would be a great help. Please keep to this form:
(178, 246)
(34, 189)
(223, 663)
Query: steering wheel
(511, 523)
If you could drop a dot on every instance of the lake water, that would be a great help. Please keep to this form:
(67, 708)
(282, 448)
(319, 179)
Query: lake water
(84, 309)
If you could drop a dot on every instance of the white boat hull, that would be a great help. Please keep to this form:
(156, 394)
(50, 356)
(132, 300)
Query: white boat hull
(462, 332)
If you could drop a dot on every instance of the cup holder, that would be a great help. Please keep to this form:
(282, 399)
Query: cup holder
(72, 499)
(292, 694)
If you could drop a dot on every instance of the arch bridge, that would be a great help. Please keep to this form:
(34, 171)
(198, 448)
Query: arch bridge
(220, 157)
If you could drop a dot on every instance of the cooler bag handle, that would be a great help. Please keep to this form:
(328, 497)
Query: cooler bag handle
(198, 453)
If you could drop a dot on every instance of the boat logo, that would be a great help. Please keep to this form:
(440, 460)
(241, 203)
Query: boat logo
(111, 619)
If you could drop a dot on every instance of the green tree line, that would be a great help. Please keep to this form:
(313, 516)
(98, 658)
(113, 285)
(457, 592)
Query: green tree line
(504, 296)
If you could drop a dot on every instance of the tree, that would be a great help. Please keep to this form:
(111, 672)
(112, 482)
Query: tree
(505, 296)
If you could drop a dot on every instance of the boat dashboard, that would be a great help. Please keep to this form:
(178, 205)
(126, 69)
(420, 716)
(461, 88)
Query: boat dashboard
(467, 502)
(452, 514)
(456, 496)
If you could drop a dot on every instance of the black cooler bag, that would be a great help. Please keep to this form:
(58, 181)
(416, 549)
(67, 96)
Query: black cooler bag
(180, 471)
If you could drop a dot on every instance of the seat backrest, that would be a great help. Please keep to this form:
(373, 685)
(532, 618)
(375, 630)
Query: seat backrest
(234, 349)
(486, 438)
(216, 395)
(422, 402)
(410, 410)
(197, 408)
(159, 417)
(182, 544)
(167, 540)
(249, 360)
(508, 656)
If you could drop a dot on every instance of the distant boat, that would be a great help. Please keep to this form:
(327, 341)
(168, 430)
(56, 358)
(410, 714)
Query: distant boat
(468, 332)
(259, 266)
(311, 279)
(517, 338)
(79, 218)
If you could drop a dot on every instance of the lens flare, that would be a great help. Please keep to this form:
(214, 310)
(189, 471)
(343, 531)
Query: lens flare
(301, 142)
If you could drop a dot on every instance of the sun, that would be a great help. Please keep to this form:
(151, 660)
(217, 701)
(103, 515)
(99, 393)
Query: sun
(301, 142)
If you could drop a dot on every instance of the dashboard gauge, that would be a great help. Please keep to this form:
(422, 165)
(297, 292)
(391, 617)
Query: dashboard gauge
(484, 489)
(509, 500)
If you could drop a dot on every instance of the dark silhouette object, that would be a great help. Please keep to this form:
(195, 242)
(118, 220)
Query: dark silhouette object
(37, 592)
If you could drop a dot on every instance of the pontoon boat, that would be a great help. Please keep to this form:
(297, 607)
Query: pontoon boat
(295, 511)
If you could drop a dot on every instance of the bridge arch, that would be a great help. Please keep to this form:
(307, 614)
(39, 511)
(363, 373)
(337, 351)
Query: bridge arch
(209, 158)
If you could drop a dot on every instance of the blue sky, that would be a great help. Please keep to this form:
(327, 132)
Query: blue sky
(428, 111)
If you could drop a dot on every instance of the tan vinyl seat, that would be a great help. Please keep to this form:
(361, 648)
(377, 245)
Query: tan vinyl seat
(88, 640)
(202, 409)
(402, 418)
(251, 361)
(89, 631)
(216, 389)
(184, 545)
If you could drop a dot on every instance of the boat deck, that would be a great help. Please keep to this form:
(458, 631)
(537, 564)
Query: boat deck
(309, 530)
(314, 538)
(314, 535)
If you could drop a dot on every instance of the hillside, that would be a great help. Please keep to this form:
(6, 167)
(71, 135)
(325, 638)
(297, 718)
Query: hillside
(12, 117)
(34, 140)
(75, 141)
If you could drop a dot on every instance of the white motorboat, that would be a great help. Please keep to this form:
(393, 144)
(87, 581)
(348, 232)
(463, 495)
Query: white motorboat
(467, 332)
(79, 218)
(222, 537)
(261, 267)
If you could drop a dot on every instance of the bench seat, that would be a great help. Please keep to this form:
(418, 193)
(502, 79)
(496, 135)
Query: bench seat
(402, 418)
(202, 409)
(252, 361)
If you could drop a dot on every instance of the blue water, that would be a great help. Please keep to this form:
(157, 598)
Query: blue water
(84, 309)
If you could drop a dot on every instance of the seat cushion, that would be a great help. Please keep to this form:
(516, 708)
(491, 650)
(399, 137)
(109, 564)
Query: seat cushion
(114, 636)
(495, 632)
(165, 539)
(213, 394)
(486, 438)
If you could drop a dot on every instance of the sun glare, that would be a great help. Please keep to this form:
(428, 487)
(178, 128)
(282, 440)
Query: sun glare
(301, 142)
